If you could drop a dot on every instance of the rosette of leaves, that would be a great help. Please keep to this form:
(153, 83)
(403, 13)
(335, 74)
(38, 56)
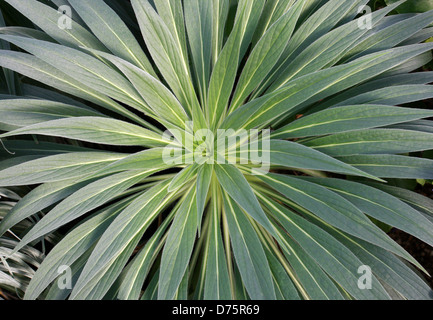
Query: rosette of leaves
(332, 86)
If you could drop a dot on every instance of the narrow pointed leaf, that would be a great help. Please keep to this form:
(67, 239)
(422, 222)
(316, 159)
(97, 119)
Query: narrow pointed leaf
(139, 267)
(266, 53)
(129, 225)
(112, 32)
(48, 19)
(333, 209)
(36, 69)
(57, 167)
(348, 118)
(200, 39)
(216, 285)
(382, 206)
(38, 199)
(294, 155)
(332, 256)
(249, 254)
(82, 67)
(204, 176)
(25, 112)
(224, 73)
(392, 166)
(82, 201)
(373, 141)
(96, 130)
(235, 184)
(77, 242)
(185, 175)
(178, 248)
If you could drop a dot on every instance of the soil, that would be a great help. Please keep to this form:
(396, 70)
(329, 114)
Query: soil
(423, 253)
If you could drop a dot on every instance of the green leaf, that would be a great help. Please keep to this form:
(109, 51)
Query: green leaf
(112, 32)
(316, 86)
(178, 247)
(334, 258)
(25, 112)
(151, 292)
(26, 32)
(138, 269)
(373, 85)
(265, 54)
(171, 13)
(182, 292)
(251, 25)
(382, 206)
(72, 247)
(217, 281)
(315, 282)
(420, 36)
(392, 166)
(185, 175)
(395, 95)
(54, 291)
(413, 6)
(83, 68)
(387, 267)
(159, 98)
(144, 160)
(220, 11)
(198, 22)
(316, 26)
(294, 155)
(415, 200)
(391, 35)
(38, 92)
(94, 129)
(37, 69)
(325, 51)
(16, 160)
(272, 11)
(224, 73)
(99, 284)
(119, 239)
(349, 118)
(333, 209)
(373, 141)
(204, 176)
(419, 125)
(8, 74)
(235, 184)
(249, 254)
(283, 285)
(38, 199)
(82, 201)
(38, 148)
(57, 167)
(48, 20)
(169, 59)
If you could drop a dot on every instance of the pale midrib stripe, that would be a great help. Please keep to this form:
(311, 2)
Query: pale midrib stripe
(308, 236)
(318, 124)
